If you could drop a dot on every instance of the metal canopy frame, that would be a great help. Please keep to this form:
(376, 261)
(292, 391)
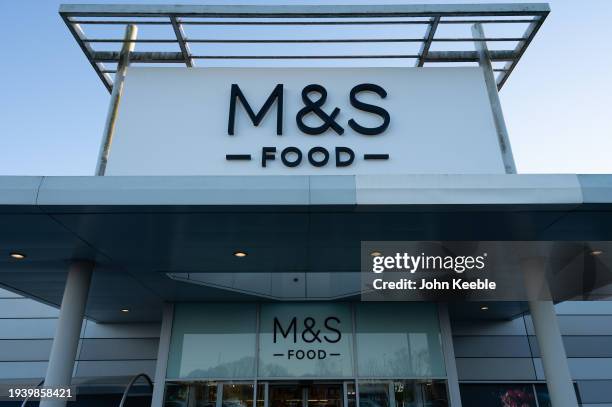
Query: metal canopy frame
(429, 17)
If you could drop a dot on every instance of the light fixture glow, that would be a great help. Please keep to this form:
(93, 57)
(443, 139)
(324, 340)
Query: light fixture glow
(18, 256)
(375, 254)
(125, 310)
(596, 252)
(240, 254)
(484, 307)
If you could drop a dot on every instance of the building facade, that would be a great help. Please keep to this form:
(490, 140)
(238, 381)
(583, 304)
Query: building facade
(217, 255)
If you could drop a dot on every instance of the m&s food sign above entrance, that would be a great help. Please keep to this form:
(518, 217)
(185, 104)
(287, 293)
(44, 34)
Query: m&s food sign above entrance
(318, 156)
(318, 121)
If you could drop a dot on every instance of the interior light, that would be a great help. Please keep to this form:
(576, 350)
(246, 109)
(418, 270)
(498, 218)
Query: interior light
(125, 310)
(240, 254)
(484, 307)
(375, 254)
(18, 256)
(596, 252)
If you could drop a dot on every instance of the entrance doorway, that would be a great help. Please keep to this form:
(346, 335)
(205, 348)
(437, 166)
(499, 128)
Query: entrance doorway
(305, 395)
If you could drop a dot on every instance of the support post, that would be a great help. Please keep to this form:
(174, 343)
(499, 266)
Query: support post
(484, 60)
(68, 331)
(162, 355)
(448, 349)
(558, 378)
(552, 352)
(131, 32)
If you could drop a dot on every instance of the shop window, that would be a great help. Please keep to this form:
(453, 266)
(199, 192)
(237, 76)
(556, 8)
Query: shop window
(261, 395)
(351, 394)
(374, 395)
(306, 340)
(177, 395)
(190, 395)
(398, 340)
(237, 395)
(498, 395)
(213, 341)
(403, 393)
(507, 395)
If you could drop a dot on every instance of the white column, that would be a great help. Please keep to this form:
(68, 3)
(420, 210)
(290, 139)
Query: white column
(446, 335)
(162, 355)
(68, 331)
(552, 352)
(548, 335)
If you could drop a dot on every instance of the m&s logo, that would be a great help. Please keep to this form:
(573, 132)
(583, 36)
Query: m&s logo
(307, 332)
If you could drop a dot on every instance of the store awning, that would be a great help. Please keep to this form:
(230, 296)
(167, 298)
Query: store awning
(139, 229)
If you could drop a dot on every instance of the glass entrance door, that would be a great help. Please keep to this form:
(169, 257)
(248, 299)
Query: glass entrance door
(305, 395)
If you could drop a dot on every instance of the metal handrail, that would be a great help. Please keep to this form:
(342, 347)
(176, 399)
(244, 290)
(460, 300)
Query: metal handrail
(28, 398)
(131, 383)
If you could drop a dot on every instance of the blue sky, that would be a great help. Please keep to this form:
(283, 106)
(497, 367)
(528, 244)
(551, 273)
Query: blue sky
(557, 103)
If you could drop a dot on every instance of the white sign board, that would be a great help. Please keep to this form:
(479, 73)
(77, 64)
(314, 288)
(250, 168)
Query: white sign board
(215, 121)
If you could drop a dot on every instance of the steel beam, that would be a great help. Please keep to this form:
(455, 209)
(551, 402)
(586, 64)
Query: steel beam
(180, 36)
(131, 31)
(429, 37)
(154, 57)
(299, 11)
(520, 49)
(79, 36)
(484, 56)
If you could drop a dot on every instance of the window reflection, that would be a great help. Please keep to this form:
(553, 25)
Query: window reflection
(374, 395)
(177, 395)
(237, 395)
(403, 393)
(191, 395)
(398, 340)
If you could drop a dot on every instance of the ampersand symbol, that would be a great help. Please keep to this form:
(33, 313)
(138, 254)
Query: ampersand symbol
(314, 106)
(309, 323)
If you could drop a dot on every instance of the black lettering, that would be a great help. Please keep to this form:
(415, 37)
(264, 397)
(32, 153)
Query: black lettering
(331, 328)
(288, 151)
(267, 154)
(285, 334)
(366, 107)
(236, 94)
(311, 156)
(314, 106)
(344, 150)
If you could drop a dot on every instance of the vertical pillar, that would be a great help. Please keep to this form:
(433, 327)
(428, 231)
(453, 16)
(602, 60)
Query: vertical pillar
(548, 335)
(448, 349)
(68, 331)
(552, 352)
(162, 355)
(131, 32)
(484, 59)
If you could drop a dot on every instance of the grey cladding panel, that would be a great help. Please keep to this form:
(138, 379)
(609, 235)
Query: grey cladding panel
(22, 370)
(25, 308)
(135, 330)
(584, 308)
(118, 349)
(115, 368)
(14, 350)
(491, 346)
(583, 368)
(27, 328)
(492, 369)
(595, 391)
(580, 324)
(8, 294)
(581, 346)
(475, 327)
